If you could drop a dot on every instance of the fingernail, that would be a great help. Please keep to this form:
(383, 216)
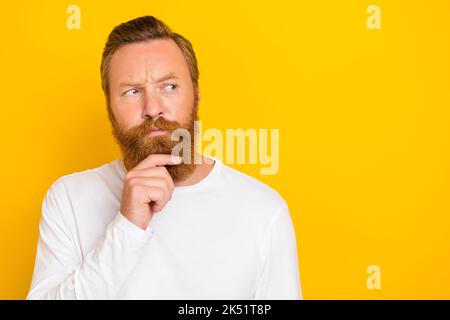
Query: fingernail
(177, 159)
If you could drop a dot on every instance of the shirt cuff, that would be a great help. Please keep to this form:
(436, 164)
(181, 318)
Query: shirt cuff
(133, 230)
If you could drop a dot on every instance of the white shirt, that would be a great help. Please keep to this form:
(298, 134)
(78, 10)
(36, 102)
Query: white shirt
(228, 236)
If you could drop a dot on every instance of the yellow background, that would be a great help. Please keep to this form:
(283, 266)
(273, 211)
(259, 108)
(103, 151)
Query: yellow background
(363, 118)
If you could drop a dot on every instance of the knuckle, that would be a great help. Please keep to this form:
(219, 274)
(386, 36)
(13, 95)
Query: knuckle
(129, 174)
(132, 181)
(169, 184)
(166, 174)
(159, 193)
(136, 189)
(163, 169)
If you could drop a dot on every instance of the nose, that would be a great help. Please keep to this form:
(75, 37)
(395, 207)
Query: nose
(152, 106)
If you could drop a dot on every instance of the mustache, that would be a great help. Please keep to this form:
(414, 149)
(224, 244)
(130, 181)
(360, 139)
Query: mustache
(152, 124)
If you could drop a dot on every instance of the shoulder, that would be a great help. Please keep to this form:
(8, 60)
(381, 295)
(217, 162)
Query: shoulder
(105, 170)
(251, 191)
(84, 182)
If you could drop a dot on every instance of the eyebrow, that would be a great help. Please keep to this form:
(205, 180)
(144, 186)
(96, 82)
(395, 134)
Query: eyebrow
(166, 77)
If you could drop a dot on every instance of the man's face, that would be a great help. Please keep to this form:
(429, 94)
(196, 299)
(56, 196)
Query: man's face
(151, 94)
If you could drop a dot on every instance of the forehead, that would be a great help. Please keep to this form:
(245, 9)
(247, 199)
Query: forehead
(148, 60)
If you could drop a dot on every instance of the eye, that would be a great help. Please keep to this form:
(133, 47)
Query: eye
(170, 87)
(131, 92)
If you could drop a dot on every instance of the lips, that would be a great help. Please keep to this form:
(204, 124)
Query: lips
(157, 132)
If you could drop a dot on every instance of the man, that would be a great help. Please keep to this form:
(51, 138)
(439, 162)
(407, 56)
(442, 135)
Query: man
(155, 225)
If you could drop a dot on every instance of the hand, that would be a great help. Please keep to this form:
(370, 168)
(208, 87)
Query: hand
(147, 188)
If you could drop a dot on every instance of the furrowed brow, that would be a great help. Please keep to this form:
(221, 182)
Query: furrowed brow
(131, 84)
(166, 77)
(169, 76)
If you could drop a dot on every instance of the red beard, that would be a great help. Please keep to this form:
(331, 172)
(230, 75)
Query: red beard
(136, 144)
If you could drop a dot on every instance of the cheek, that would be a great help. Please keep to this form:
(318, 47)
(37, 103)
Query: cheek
(125, 116)
(180, 107)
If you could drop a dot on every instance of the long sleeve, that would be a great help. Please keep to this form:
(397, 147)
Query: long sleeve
(60, 270)
(280, 277)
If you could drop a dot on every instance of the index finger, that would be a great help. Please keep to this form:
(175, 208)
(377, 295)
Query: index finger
(154, 160)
